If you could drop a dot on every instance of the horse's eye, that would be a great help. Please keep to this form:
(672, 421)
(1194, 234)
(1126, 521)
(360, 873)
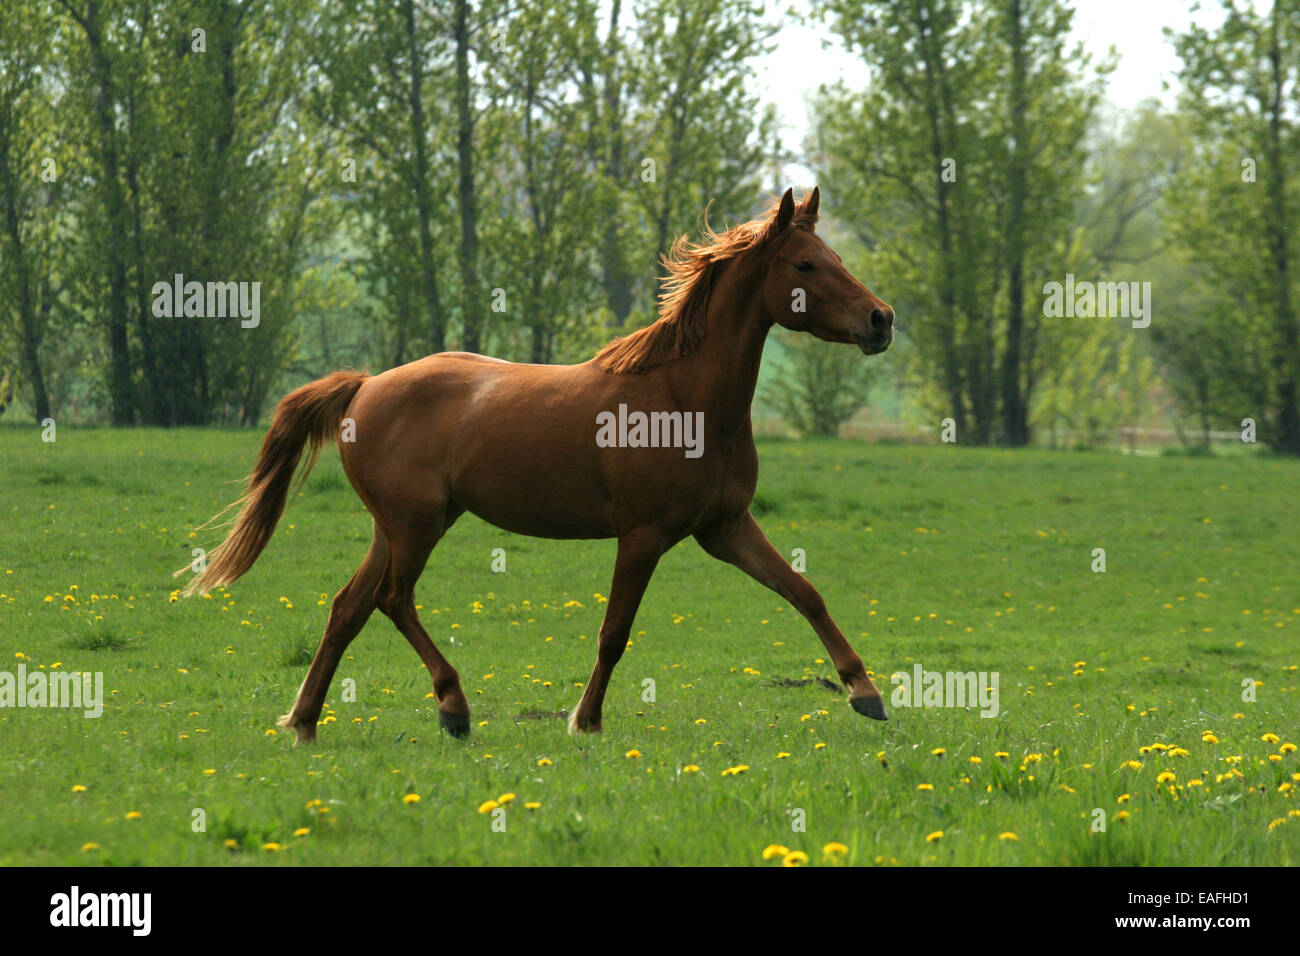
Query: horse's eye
(804, 266)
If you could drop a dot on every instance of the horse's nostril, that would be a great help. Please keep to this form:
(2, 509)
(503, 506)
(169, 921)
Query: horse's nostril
(880, 321)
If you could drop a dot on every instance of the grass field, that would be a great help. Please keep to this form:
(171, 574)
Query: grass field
(957, 559)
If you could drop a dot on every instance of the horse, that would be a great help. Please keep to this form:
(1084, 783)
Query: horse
(551, 451)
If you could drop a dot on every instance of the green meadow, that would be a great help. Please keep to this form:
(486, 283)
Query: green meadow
(1147, 715)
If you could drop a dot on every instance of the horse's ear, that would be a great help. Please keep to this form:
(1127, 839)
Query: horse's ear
(785, 213)
(810, 204)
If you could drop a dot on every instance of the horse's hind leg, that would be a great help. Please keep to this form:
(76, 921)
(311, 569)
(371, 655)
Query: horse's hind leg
(410, 544)
(352, 608)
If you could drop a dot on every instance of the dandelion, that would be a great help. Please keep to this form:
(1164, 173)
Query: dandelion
(1208, 738)
(938, 752)
(1124, 798)
(782, 755)
(1286, 749)
(545, 762)
(532, 805)
(272, 847)
(313, 804)
(819, 746)
(134, 815)
(487, 806)
(772, 851)
(87, 847)
(78, 788)
(795, 858)
(302, 831)
(934, 837)
(834, 850)
(505, 798)
(1132, 764)
(1009, 836)
(1178, 752)
(976, 760)
(1122, 815)
(925, 786)
(633, 754)
(691, 768)
(208, 773)
(735, 771)
(1002, 754)
(411, 798)
(1167, 776)
(1270, 738)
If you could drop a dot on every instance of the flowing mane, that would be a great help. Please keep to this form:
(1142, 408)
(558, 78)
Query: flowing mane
(684, 298)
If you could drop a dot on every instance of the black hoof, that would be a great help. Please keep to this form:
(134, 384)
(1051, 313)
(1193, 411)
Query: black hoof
(455, 724)
(872, 707)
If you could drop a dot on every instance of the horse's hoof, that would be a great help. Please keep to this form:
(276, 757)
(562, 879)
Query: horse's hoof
(455, 724)
(872, 707)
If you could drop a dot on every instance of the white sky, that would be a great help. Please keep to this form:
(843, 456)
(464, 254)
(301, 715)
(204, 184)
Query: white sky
(800, 63)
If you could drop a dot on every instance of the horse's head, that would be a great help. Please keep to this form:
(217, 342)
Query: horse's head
(808, 289)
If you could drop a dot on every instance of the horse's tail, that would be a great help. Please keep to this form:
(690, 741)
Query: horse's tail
(305, 417)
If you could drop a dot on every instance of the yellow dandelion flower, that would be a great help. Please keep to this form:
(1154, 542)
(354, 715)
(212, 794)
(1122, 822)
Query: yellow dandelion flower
(411, 798)
(1270, 738)
(976, 760)
(78, 788)
(1286, 748)
(230, 844)
(782, 755)
(735, 771)
(795, 858)
(545, 762)
(938, 752)
(633, 754)
(272, 847)
(934, 837)
(1124, 798)
(487, 806)
(87, 847)
(134, 815)
(302, 831)
(1209, 738)
(1122, 815)
(1132, 764)
(1009, 836)
(505, 798)
(1167, 776)
(691, 768)
(925, 786)
(1002, 754)
(772, 851)
(532, 805)
(834, 850)
(819, 746)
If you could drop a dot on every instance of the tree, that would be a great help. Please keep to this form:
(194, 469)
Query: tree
(1234, 209)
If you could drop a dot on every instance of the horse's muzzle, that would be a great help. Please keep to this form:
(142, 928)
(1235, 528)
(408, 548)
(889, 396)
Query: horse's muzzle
(873, 343)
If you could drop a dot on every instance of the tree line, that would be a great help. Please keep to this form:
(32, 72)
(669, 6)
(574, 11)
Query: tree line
(405, 177)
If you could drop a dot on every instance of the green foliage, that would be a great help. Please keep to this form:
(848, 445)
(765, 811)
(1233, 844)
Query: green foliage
(818, 387)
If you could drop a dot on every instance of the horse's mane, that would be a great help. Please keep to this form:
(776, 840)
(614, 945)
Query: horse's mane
(684, 299)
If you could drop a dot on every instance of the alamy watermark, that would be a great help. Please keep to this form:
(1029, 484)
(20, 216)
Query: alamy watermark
(79, 691)
(208, 300)
(923, 688)
(1101, 300)
(651, 430)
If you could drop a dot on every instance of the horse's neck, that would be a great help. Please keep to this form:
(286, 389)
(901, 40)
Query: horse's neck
(719, 378)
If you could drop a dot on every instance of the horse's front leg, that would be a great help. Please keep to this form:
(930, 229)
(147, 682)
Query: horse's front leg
(638, 554)
(742, 543)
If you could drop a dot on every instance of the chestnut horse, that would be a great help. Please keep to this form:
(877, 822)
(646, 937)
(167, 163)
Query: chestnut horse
(534, 449)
